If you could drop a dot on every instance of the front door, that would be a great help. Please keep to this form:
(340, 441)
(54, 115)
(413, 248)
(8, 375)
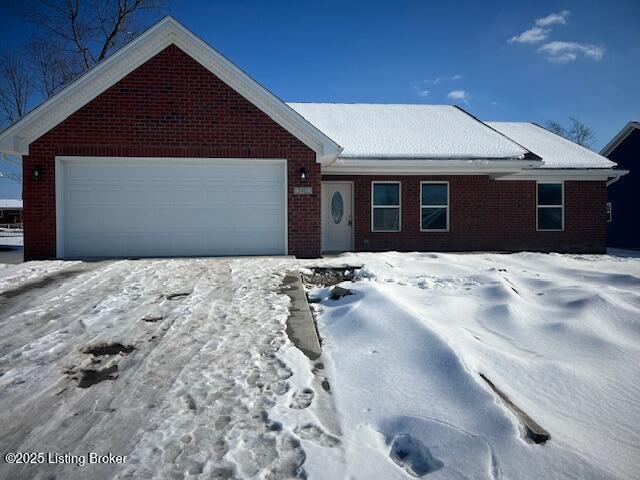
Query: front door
(337, 221)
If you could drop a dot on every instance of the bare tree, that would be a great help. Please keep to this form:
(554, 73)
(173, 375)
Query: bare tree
(87, 30)
(16, 87)
(11, 168)
(581, 133)
(578, 132)
(66, 38)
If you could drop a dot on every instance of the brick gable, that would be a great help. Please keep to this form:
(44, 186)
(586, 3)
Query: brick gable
(171, 106)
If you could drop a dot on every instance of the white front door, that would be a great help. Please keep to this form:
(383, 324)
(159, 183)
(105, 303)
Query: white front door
(337, 221)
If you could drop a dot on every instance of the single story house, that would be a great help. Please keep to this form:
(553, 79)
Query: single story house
(623, 229)
(10, 211)
(169, 128)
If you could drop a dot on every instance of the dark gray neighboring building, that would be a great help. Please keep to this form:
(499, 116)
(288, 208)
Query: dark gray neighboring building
(623, 200)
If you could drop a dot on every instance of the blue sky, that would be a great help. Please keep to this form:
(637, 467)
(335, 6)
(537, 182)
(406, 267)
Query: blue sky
(504, 60)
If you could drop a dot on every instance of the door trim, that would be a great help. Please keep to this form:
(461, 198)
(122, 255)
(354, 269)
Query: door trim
(59, 183)
(353, 216)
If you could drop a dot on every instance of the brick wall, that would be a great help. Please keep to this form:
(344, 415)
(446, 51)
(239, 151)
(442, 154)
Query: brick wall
(170, 107)
(484, 215)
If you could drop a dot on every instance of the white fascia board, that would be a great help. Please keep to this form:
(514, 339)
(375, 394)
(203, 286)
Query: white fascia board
(350, 166)
(593, 174)
(621, 135)
(16, 139)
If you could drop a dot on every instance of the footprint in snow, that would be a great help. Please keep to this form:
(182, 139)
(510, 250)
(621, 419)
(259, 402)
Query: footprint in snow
(413, 455)
(316, 435)
(302, 399)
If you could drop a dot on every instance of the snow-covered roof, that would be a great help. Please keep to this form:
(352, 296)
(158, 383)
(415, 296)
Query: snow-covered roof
(556, 151)
(10, 203)
(408, 131)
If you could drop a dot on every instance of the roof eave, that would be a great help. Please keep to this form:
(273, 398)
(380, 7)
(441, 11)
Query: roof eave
(16, 139)
(619, 138)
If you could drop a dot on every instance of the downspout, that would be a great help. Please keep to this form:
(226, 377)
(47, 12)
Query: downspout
(612, 181)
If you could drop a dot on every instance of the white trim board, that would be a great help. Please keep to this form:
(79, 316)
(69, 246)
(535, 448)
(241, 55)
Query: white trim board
(619, 138)
(16, 139)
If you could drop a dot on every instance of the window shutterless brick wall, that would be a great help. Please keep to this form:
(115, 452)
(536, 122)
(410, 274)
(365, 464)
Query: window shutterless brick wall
(169, 107)
(485, 214)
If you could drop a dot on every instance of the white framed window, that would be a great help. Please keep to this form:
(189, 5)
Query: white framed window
(550, 206)
(609, 212)
(385, 206)
(434, 206)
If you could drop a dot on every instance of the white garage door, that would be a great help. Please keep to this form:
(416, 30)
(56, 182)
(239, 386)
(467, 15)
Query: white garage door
(125, 207)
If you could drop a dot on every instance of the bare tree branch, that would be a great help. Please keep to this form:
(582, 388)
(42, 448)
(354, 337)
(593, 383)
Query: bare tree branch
(71, 36)
(578, 132)
(15, 87)
(7, 163)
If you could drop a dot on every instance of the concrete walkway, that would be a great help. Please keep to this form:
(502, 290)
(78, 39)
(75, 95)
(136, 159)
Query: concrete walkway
(301, 327)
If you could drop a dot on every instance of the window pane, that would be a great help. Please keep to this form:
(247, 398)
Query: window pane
(434, 218)
(386, 194)
(549, 218)
(549, 194)
(434, 194)
(337, 207)
(386, 219)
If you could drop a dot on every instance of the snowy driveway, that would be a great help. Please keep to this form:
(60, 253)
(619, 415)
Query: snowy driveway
(184, 367)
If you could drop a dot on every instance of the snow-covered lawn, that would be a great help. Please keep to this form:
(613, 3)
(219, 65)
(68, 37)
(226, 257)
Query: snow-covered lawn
(184, 366)
(559, 334)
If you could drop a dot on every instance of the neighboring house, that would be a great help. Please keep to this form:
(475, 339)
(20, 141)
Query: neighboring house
(623, 228)
(167, 128)
(10, 212)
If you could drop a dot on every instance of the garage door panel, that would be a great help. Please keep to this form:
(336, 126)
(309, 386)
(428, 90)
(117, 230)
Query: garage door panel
(152, 208)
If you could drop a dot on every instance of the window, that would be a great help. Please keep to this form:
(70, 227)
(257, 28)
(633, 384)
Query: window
(337, 207)
(550, 206)
(434, 206)
(385, 206)
(609, 212)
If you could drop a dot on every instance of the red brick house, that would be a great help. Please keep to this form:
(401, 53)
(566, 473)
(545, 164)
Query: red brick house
(169, 128)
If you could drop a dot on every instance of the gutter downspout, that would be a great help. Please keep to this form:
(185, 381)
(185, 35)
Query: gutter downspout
(617, 177)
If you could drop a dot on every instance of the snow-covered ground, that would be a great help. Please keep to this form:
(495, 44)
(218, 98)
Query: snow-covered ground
(559, 334)
(207, 388)
(11, 239)
(200, 380)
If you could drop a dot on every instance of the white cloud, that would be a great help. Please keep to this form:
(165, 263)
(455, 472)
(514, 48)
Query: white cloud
(537, 33)
(533, 35)
(557, 51)
(564, 52)
(444, 78)
(462, 95)
(558, 18)
(423, 92)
